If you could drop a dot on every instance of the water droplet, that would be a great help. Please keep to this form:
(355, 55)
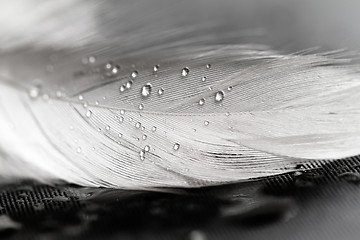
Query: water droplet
(92, 59)
(120, 135)
(81, 97)
(202, 101)
(208, 66)
(88, 113)
(85, 104)
(115, 69)
(107, 127)
(130, 119)
(143, 128)
(229, 88)
(122, 111)
(147, 148)
(160, 91)
(206, 123)
(134, 74)
(144, 137)
(203, 79)
(129, 84)
(78, 150)
(142, 155)
(96, 102)
(153, 129)
(108, 65)
(146, 90)
(185, 71)
(227, 114)
(156, 68)
(138, 125)
(99, 129)
(122, 88)
(219, 96)
(59, 94)
(176, 146)
(141, 106)
(34, 92)
(121, 119)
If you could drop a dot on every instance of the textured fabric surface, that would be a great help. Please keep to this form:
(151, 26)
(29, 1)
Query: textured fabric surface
(322, 203)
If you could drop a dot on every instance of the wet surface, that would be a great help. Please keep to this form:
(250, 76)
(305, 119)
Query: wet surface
(322, 203)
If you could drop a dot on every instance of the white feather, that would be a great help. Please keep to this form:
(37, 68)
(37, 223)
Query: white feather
(63, 119)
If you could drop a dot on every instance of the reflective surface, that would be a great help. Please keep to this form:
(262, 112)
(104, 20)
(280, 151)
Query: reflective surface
(309, 204)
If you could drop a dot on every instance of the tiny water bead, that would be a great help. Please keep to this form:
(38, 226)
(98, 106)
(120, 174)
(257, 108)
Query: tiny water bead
(202, 101)
(142, 155)
(92, 59)
(185, 71)
(138, 125)
(227, 114)
(229, 88)
(141, 106)
(156, 68)
(115, 69)
(176, 146)
(146, 90)
(120, 135)
(134, 74)
(208, 66)
(122, 88)
(203, 79)
(34, 92)
(219, 96)
(147, 148)
(160, 91)
(128, 84)
(108, 65)
(88, 113)
(153, 129)
(121, 119)
(144, 137)
(107, 127)
(81, 97)
(78, 149)
(122, 111)
(59, 94)
(206, 123)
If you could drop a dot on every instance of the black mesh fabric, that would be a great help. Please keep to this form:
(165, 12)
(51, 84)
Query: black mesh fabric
(322, 203)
